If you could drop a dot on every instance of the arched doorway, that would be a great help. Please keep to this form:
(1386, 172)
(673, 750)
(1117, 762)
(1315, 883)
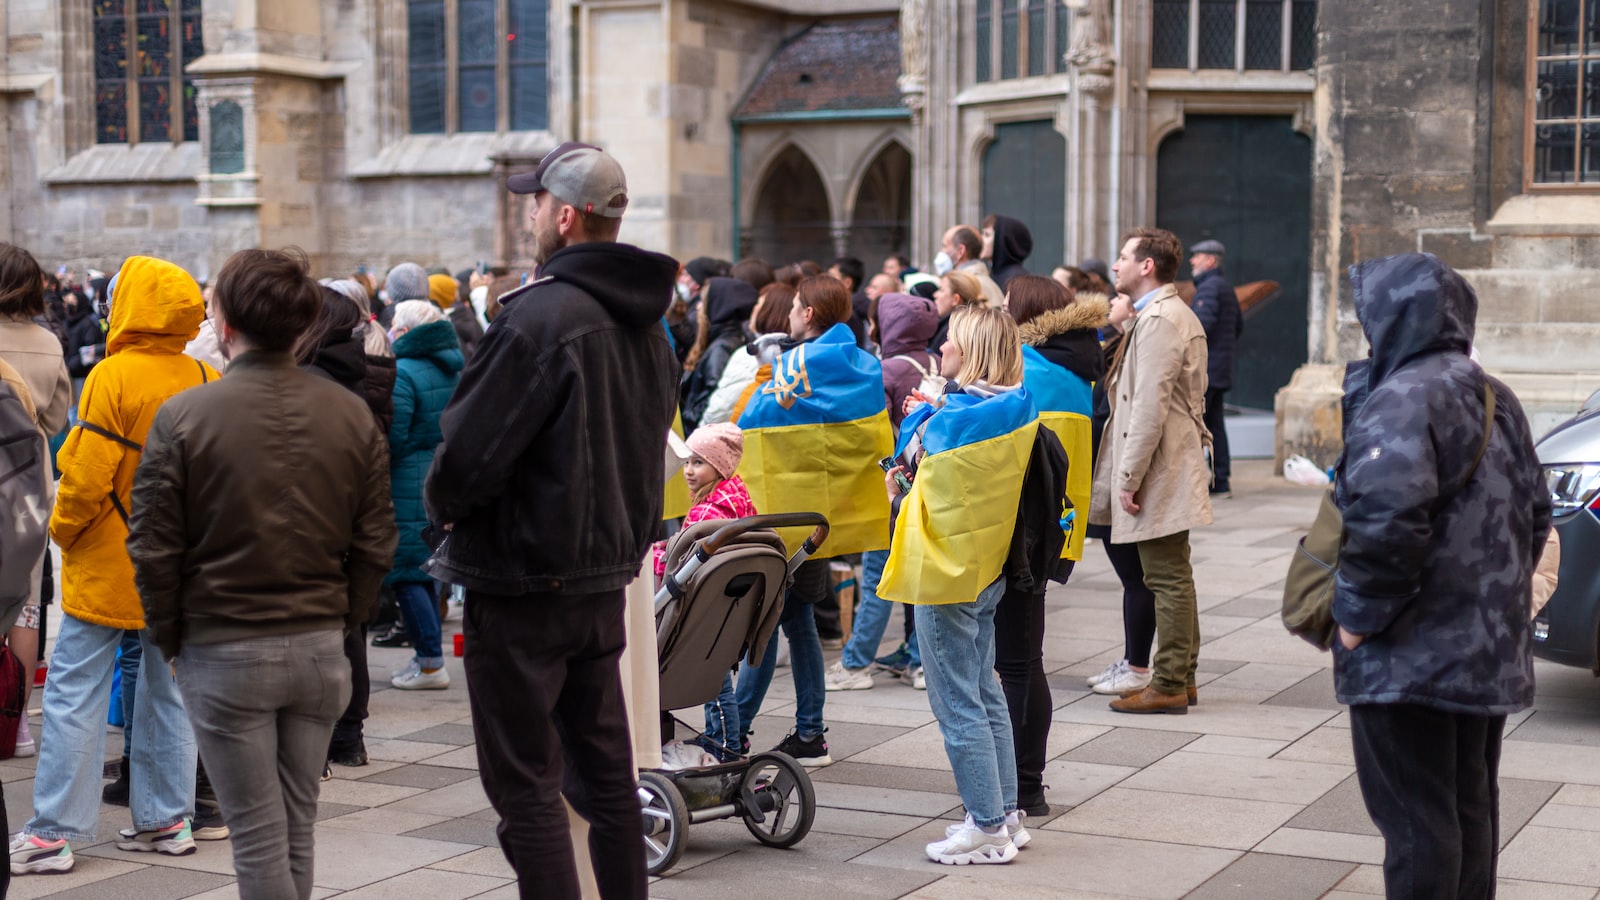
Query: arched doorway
(792, 219)
(1025, 177)
(880, 224)
(1246, 181)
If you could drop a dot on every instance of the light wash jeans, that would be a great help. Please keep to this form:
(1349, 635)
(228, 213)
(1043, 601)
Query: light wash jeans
(419, 606)
(799, 624)
(872, 617)
(958, 659)
(722, 716)
(263, 710)
(77, 698)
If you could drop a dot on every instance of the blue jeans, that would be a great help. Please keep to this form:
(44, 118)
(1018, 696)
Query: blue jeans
(722, 717)
(958, 646)
(419, 606)
(805, 659)
(77, 697)
(128, 662)
(872, 617)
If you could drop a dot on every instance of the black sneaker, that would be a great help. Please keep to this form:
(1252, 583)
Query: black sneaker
(813, 753)
(116, 793)
(350, 757)
(1034, 807)
(395, 638)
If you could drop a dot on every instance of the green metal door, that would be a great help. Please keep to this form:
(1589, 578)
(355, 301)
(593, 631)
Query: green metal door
(1025, 177)
(1246, 181)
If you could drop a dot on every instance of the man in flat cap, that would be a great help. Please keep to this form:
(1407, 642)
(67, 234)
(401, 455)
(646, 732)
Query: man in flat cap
(549, 484)
(1217, 308)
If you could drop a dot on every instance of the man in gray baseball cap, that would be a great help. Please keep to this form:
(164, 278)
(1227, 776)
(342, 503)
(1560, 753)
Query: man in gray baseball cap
(549, 486)
(1217, 308)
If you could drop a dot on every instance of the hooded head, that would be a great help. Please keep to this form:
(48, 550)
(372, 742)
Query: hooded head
(154, 305)
(729, 300)
(906, 323)
(442, 290)
(1012, 243)
(406, 281)
(1411, 305)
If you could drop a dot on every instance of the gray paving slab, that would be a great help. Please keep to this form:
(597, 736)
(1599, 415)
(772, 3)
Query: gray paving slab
(785, 879)
(421, 776)
(900, 777)
(1136, 747)
(147, 882)
(1265, 876)
(443, 734)
(1315, 691)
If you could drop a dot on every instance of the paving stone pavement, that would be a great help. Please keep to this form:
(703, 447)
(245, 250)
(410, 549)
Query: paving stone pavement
(1251, 795)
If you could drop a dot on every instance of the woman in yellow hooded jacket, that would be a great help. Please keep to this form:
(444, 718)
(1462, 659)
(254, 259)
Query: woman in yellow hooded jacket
(155, 310)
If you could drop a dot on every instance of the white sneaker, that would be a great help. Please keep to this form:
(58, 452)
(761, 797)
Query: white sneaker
(918, 679)
(419, 680)
(1019, 835)
(967, 844)
(26, 746)
(840, 678)
(1106, 674)
(411, 666)
(1125, 680)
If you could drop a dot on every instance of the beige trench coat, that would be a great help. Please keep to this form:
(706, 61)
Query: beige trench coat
(1155, 442)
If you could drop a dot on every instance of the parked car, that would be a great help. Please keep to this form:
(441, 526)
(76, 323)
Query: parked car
(1567, 630)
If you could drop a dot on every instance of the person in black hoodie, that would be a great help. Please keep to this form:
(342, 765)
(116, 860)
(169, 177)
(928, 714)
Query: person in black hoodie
(728, 303)
(85, 330)
(1008, 242)
(549, 489)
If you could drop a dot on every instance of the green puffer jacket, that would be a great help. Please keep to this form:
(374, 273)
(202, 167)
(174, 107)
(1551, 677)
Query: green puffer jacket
(428, 363)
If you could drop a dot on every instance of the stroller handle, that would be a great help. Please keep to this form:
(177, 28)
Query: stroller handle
(733, 529)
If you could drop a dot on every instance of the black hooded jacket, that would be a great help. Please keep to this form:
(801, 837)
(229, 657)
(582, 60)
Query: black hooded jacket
(1012, 244)
(551, 467)
(728, 303)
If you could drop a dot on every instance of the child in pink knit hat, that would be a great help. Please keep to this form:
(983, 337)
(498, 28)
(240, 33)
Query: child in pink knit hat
(718, 494)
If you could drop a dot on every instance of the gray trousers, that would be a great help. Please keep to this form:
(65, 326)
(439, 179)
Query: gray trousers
(263, 710)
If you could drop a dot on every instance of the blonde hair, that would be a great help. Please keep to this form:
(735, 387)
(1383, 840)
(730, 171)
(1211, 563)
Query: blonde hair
(965, 286)
(991, 349)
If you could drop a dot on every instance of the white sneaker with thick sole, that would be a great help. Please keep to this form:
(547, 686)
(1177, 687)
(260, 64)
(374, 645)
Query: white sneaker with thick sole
(1125, 680)
(26, 746)
(1019, 835)
(31, 854)
(919, 680)
(840, 678)
(1106, 674)
(174, 840)
(966, 844)
(422, 680)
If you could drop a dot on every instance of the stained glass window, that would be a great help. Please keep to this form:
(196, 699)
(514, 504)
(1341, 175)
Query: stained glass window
(140, 49)
(478, 65)
(1207, 34)
(1565, 75)
(1031, 38)
(1169, 34)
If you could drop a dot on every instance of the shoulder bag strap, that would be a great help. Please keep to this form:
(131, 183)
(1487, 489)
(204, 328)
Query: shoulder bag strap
(204, 378)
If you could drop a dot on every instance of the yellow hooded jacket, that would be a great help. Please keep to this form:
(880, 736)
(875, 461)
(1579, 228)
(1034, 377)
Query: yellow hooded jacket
(155, 310)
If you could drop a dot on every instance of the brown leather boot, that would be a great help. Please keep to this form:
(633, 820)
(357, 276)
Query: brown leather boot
(1193, 693)
(1151, 700)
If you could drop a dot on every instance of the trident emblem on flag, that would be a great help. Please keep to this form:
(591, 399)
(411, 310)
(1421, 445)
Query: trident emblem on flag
(790, 381)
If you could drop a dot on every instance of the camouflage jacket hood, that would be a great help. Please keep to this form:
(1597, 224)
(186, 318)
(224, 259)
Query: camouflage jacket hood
(1433, 571)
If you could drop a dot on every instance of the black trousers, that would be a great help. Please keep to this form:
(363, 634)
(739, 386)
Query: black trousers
(1019, 660)
(1138, 603)
(1221, 462)
(347, 731)
(548, 711)
(1430, 780)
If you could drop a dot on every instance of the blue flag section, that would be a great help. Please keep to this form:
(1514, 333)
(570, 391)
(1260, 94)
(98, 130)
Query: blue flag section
(1065, 402)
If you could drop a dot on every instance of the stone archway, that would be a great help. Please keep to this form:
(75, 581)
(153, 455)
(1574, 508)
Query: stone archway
(880, 221)
(792, 219)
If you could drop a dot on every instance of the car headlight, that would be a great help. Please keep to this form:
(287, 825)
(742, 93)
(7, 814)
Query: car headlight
(1572, 487)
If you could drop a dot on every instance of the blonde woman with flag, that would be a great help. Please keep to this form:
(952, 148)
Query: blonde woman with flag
(966, 457)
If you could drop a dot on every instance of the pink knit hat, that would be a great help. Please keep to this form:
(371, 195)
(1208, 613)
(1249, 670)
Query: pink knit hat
(721, 445)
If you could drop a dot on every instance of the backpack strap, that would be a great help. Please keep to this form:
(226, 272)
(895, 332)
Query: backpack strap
(204, 378)
(914, 364)
(109, 435)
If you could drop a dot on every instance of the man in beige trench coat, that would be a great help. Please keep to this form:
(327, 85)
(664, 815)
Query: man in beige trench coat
(1152, 477)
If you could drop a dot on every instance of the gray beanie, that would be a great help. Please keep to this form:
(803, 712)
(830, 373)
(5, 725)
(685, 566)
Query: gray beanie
(407, 281)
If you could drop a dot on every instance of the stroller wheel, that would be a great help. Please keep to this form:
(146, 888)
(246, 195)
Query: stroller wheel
(784, 799)
(666, 822)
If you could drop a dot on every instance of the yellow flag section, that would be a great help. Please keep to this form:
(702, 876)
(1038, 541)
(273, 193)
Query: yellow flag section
(677, 496)
(813, 435)
(1065, 403)
(954, 529)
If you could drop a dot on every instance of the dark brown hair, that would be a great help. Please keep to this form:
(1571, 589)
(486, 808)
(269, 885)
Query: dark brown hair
(828, 300)
(754, 271)
(772, 317)
(968, 237)
(267, 297)
(21, 282)
(808, 268)
(336, 320)
(789, 275)
(1159, 245)
(1031, 296)
(498, 288)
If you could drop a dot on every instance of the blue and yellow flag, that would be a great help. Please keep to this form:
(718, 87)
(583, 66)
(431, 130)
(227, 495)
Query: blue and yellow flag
(677, 489)
(954, 529)
(1065, 404)
(813, 436)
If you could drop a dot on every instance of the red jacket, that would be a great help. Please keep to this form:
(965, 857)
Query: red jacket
(728, 500)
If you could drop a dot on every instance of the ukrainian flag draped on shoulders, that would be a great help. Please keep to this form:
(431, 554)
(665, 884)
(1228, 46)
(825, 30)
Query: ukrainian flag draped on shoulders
(954, 530)
(1065, 403)
(813, 435)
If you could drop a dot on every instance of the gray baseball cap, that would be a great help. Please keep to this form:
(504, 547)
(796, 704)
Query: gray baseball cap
(582, 175)
(1208, 247)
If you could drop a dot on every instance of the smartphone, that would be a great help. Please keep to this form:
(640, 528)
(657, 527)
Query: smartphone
(887, 464)
(483, 267)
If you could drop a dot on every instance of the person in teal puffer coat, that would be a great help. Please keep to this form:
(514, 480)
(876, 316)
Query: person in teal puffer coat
(428, 363)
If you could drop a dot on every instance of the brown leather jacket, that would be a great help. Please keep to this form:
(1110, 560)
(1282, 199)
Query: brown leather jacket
(261, 507)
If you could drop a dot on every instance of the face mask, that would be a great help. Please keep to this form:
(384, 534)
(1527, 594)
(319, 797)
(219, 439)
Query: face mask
(942, 264)
(683, 291)
(102, 305)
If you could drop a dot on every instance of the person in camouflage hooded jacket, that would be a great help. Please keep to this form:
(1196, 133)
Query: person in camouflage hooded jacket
(1434, 576)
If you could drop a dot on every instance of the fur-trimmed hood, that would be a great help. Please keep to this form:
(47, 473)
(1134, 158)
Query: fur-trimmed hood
(1088, 311)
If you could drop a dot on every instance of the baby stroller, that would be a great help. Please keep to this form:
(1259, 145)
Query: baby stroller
(721, 600)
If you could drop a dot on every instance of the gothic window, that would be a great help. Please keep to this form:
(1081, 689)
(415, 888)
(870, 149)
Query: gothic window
(477, 65)
(1564, 72)
(1020, 38)
(140, 48)
(1241, 35)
